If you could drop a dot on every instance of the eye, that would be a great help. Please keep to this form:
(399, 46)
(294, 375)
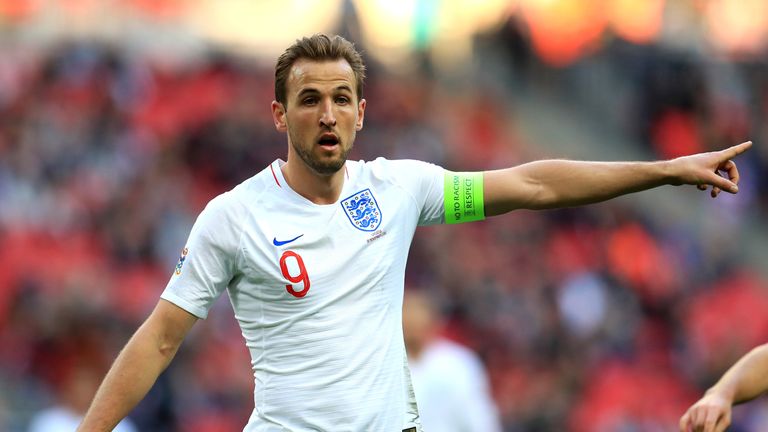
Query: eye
(311, 100)
(342, 100)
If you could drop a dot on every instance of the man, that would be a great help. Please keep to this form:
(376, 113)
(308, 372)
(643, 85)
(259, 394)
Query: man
(744, 381)
(312, 252)
(449, 380)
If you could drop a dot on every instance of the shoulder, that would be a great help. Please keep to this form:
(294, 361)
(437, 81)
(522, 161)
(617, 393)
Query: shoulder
(396, 169)
(448, 348)
(224, 216)
(454, 358)
(382, 163)
(250, 191)
(257, 186)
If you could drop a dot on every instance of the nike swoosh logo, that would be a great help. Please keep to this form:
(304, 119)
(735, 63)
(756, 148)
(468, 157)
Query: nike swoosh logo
(276, 242)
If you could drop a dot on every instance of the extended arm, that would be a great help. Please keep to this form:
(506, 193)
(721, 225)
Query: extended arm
(744, 381)
(563, 183)
(144, 357)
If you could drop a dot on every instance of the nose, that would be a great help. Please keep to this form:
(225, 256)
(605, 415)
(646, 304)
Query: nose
(327, 116)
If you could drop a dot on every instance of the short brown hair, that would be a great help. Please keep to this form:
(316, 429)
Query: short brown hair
(318, 47)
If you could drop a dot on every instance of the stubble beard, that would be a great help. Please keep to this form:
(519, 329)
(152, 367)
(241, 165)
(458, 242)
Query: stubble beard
(323, 168)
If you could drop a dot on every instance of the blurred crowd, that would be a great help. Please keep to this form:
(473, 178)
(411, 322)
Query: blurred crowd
(589, 319)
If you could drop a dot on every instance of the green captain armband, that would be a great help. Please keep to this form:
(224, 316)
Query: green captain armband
(463, 197)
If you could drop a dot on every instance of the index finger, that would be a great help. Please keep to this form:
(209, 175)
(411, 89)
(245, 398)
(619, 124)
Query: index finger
(738, 149)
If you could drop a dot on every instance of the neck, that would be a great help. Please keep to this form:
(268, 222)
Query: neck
(320, 189)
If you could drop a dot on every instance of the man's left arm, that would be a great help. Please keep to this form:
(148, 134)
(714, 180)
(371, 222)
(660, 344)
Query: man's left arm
(549, 184)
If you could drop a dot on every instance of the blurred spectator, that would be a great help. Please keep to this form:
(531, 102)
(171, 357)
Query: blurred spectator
(452, 389)
(74, 395)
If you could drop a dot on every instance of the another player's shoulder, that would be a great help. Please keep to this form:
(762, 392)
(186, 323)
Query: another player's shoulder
(453, 354)
(447, 347)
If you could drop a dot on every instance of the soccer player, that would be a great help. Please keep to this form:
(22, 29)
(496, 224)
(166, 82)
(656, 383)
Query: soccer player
(312, 254)
(450, 382)
(744, 381)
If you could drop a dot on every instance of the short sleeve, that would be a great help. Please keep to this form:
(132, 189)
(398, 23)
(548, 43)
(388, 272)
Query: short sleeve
(208, 260)
(424, 182)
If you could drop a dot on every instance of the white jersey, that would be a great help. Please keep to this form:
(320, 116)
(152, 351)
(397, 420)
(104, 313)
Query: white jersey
(60, 419)
(317, 291)
(452, 390)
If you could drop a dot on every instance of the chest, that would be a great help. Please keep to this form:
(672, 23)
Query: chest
(292, 250)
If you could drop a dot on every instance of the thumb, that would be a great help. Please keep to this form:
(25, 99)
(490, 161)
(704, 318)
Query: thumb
(733, 151)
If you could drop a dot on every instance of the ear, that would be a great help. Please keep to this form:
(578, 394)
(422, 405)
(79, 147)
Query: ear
(278, 116)
(360, 114)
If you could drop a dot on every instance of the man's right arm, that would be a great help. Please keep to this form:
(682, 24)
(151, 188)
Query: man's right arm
(744, 381)
(136, 369)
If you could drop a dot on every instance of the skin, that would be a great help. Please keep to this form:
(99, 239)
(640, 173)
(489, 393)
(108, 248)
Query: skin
(321, 101)
(744, 381)
(138, 365)
(561, 183)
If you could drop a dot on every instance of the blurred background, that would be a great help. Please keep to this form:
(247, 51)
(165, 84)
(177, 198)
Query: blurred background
(120, 119)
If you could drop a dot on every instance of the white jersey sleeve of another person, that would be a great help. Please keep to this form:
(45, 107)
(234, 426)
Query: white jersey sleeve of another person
(452, 390)
(59, 419)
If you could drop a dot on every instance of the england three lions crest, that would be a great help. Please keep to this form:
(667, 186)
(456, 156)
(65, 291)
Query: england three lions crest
(362, 210)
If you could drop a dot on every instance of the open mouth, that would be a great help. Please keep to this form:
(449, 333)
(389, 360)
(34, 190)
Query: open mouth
(328, 140)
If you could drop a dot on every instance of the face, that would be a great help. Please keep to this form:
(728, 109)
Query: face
(419, 322)
(322, 115)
